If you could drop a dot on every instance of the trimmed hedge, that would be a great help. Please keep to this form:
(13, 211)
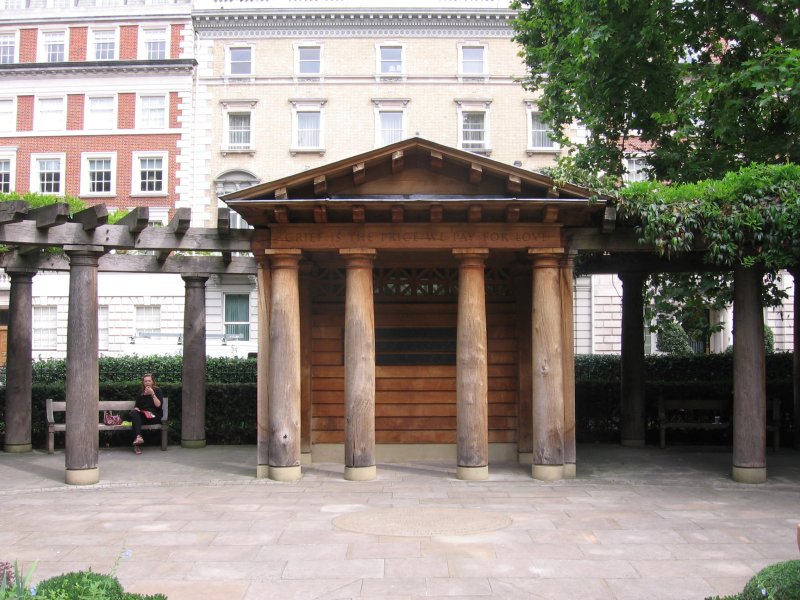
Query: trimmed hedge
(231, 393)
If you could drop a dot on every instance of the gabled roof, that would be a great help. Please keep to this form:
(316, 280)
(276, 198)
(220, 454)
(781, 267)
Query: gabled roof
(411, 175)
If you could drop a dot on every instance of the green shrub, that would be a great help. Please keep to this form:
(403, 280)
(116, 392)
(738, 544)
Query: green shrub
(780, 581)
(769, 339)
(673, 340)
(80, 584)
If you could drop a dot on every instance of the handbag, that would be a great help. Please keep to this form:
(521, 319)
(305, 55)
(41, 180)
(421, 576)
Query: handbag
(109, 418)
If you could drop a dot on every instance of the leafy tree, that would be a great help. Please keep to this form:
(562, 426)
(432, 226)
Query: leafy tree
(712, 84)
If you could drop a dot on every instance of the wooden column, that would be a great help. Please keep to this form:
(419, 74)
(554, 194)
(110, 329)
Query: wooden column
(359, 367)
(83, 370)
(749, 378)
(306, 281)
(193, 397)
(284, 366)
(632, 381)
(522, 296)
(568, 365)
(262, 368)
(796, 360)
(19, 368)
(472, 378)
(548, 378)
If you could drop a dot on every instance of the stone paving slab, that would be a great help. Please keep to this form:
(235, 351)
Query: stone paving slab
(636, 523)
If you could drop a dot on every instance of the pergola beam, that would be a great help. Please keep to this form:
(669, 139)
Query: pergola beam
(92, 217)
(13, 211)
(50, 215)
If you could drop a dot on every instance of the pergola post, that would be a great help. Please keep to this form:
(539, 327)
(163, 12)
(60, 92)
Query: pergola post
(19, 370)
(749, 378)
(83, 370)
(632, 380)
(568, 365)
(796, 355)
(548, 378)
(193, 399)
(262, 377)
(359, 367)
(284, 366)
(472, 375)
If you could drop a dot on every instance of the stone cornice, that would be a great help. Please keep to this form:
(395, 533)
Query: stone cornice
(366, 23)
(183, 66)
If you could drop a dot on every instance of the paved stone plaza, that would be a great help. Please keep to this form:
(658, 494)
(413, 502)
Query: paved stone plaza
(635, 524)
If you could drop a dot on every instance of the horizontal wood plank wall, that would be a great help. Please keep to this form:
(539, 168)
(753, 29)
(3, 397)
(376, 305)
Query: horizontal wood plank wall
(414, 404)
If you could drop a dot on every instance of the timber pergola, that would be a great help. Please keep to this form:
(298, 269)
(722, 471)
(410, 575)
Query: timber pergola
(414, 296)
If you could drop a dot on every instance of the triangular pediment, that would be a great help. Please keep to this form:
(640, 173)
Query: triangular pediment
(412, 174)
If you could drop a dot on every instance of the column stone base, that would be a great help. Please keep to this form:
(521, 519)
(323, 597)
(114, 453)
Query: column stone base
(472, 473)
(360, 473)
(262, 471)
(82, 476)
(548, 472)
(284, 473)
(633, 443)
(18, 448)
(193, 443)
(749, 474)
(570, 471)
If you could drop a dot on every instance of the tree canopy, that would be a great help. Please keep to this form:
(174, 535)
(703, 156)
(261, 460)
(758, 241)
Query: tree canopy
(707, 85)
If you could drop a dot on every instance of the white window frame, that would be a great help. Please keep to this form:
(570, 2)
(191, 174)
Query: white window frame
(14, 36)
(86, 182)
(45, 327)
(136, 158)
(298, 48)
(640, 173)
(92, 43)
(102, 327)
(10, 154)
(228, 51)
(90, 121)
(42, 50)
(475, 106)
(463, 75)
(34, 182)
(530, 110)
(382, 105)
(307, 106)
(140, 112)
(238, 107)
(9, 118)
(380, 74)
(225, 322)
(148, 34)
(38, 121)
(144, 316)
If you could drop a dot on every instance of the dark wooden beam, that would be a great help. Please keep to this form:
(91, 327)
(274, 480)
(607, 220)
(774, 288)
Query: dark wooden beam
(28, 249)
(475, 174)
(620, 262)
(359, 214)
(281, 194)
(281, 215)
(179, 224)
(163, 255)
(321, 214)
(48, 216)
(550, 214)
(609, 219)
(359, 173)
(512, 213)
(136, 220)
(436, 161)
(552, 192)
(474, 213)
(514, 184)
(92, 217)
(398, 213)
(320, 185)
(436, 213)
(13, 211)
(227, 257)
(397, 162)
(224, 221)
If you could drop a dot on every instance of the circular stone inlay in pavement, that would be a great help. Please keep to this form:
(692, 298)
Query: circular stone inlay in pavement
(422, 522)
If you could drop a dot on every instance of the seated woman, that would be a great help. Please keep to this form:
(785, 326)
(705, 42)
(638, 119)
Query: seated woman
(147, 410)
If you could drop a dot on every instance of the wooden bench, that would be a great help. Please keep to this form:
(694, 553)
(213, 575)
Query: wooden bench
(706, 413)
(121, 407)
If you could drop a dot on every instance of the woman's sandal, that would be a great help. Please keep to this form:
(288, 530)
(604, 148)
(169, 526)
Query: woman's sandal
(137, 450)
(138, 441)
